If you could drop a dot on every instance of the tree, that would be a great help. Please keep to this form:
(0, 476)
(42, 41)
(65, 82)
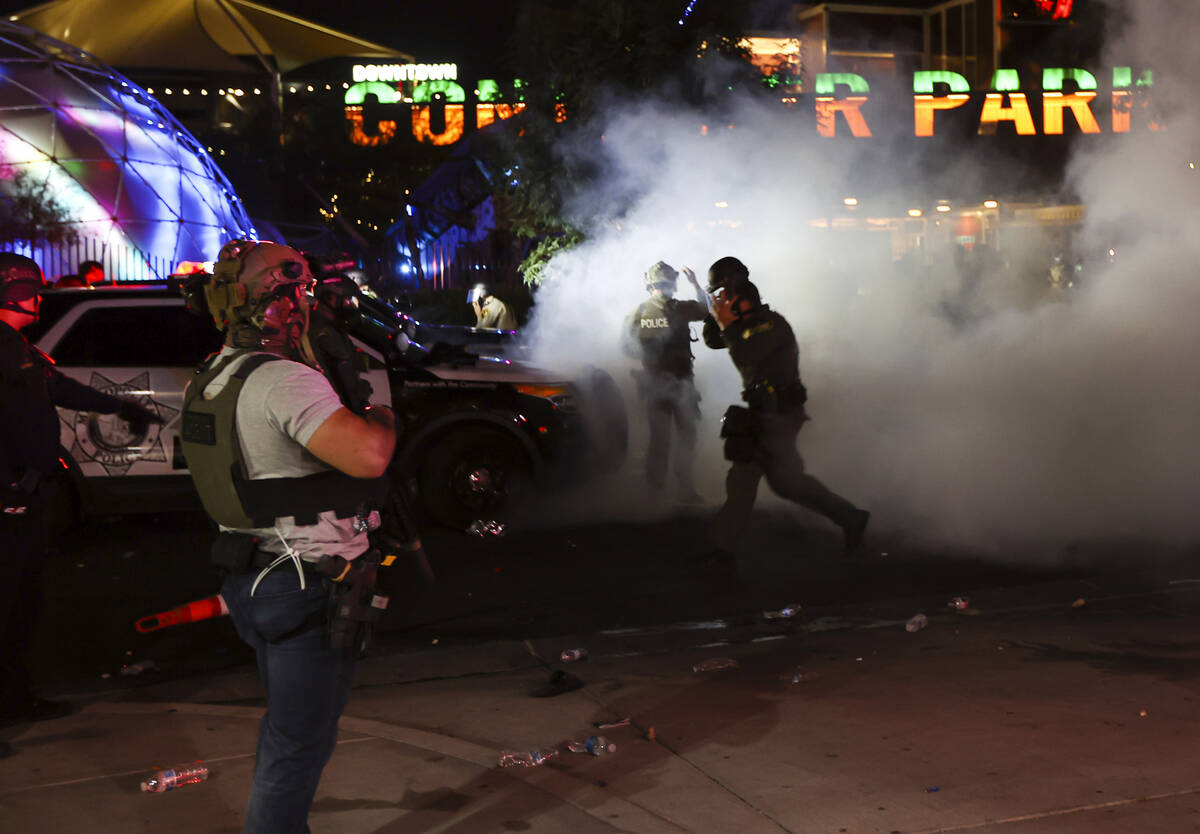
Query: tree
(31, 213)
(577, 56)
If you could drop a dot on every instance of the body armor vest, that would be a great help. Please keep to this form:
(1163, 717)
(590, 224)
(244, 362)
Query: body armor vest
(208, 434)
(664, 337)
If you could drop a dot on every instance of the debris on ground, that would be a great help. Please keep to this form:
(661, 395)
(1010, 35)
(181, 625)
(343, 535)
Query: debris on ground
(916, 623)
(1079, 603)
(785, 613)
(799, 675)
(484, 528)
(526, 758)
(715, 664)
(130, 669)
(571, 655)
(606, 725)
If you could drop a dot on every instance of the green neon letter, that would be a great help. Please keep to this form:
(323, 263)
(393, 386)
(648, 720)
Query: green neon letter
(828, 81)
(424, 92)
(1052, 79)
(924, 80)
(386, 93)
(1123, 78)
(1006, 81)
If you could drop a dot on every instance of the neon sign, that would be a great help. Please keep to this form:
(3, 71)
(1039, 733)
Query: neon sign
(404, 72)
(941, 90)
(492, 104)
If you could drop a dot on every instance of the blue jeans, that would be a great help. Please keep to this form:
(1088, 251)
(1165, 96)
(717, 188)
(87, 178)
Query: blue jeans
(307, 686)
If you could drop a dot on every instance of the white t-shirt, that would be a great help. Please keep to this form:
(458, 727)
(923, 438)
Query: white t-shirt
(281, 406)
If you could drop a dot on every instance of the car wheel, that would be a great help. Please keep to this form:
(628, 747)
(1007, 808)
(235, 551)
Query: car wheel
(471, 475)
(607, 425)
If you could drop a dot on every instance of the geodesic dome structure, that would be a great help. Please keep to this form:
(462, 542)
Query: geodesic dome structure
(139, 190)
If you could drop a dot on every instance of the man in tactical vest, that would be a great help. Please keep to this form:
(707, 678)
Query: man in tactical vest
(658, 333)
(294, 480)
(760, 439)
(30, 388)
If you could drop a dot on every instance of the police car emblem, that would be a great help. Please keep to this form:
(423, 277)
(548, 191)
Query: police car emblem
(108, 440)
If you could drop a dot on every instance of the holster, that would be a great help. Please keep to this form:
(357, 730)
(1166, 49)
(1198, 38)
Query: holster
(740, 428)
(354, 607)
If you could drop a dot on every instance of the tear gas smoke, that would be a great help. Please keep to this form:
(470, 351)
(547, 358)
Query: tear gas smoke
(981, 415)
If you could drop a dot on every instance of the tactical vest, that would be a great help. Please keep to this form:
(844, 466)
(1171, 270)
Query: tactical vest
(664, 337)
(208, 433)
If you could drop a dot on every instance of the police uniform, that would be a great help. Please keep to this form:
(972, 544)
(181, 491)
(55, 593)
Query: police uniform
(494, 314)
(30, 388)
(658, 333)
(764, 350)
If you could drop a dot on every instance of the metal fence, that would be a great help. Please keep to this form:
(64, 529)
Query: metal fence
(121, 262)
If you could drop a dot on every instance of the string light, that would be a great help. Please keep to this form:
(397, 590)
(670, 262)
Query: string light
(687, 12)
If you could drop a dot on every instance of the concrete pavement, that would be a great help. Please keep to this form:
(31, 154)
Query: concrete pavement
(1032, 716)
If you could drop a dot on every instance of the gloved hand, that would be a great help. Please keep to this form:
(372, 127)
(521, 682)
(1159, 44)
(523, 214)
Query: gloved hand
(137, 416)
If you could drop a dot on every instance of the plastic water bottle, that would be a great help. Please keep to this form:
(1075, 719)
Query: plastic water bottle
(593, 745)
(918, 622)
(570, 655)
(174, 777)
(526, 758)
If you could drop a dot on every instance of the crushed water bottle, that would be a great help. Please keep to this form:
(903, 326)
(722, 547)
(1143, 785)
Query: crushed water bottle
(715, 664)
(484, 528)
(593, 745)
(571, 655)
(526, 758)
(916, 623)
(174, 777)
(785, 613)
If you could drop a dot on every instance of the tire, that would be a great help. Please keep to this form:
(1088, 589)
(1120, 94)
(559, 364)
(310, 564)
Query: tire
(472, 474)
(606, 422)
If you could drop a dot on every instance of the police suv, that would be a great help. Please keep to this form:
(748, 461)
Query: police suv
(474, 426)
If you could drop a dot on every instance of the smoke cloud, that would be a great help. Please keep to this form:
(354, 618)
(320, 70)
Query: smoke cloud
(986, 415)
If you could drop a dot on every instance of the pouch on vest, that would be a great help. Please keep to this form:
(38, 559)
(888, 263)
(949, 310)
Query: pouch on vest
(740, 429)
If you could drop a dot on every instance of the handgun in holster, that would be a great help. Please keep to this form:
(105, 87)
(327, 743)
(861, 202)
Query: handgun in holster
(740, 428)
(354, 607)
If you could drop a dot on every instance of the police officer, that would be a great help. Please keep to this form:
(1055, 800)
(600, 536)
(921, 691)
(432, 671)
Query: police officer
(293, 478)
(30, 388)
(490, 312)
(761, 438)
(658, 333)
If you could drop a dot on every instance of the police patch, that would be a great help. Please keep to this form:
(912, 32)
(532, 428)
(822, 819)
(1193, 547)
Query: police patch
(108, 440)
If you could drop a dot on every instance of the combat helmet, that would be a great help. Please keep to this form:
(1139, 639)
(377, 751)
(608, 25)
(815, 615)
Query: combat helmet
(246, 297)
(662, 274)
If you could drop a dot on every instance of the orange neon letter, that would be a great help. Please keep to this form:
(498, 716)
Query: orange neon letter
(454, 95)
(850, 107)
(925, 104)
(1054, 101)
(1123, 98)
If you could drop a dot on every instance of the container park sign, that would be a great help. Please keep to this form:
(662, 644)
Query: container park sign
(432, 105)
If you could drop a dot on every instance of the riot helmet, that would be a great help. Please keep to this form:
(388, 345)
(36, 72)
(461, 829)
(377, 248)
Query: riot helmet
(662, 277)
(259, 297)
(727, 274)
(20, 280)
